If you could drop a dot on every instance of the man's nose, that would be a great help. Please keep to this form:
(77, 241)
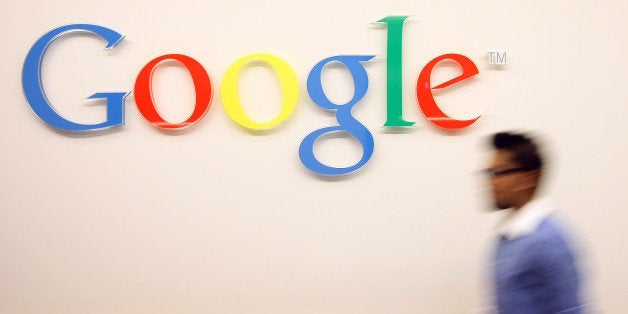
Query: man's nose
(493, 182)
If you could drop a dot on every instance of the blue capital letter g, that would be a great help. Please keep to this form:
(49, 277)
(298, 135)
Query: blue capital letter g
(34, 92)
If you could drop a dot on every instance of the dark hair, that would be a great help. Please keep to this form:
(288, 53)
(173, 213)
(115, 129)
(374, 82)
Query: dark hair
(524, 149)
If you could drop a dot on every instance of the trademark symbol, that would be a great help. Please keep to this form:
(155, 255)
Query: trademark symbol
(497, 57)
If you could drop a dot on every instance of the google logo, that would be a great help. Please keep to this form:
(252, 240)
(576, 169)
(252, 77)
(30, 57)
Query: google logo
(36, 96)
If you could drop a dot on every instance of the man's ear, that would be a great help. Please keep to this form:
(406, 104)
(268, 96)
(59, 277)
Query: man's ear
(529, 180)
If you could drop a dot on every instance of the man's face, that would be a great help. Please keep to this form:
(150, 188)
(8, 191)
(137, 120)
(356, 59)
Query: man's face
(507, 180)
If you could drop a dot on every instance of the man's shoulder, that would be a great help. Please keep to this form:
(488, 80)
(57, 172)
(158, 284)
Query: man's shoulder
(550, 240)
(550, 234)
(550, 229)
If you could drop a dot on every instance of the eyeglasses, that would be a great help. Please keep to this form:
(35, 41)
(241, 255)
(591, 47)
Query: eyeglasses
(494, 174)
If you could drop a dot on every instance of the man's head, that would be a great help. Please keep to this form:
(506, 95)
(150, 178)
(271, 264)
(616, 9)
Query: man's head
(515, 169)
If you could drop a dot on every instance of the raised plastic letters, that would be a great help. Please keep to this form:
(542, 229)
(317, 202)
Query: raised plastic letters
(36, 96)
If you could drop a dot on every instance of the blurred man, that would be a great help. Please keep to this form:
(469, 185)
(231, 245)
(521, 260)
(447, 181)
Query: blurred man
(534, 268)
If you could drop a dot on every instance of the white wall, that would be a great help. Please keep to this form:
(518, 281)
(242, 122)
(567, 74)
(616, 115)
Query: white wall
(220, 220)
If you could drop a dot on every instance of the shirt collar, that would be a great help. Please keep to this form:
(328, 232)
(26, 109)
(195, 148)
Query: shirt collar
(524, 221)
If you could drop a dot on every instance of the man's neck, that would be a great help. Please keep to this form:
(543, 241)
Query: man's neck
(522, 202)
